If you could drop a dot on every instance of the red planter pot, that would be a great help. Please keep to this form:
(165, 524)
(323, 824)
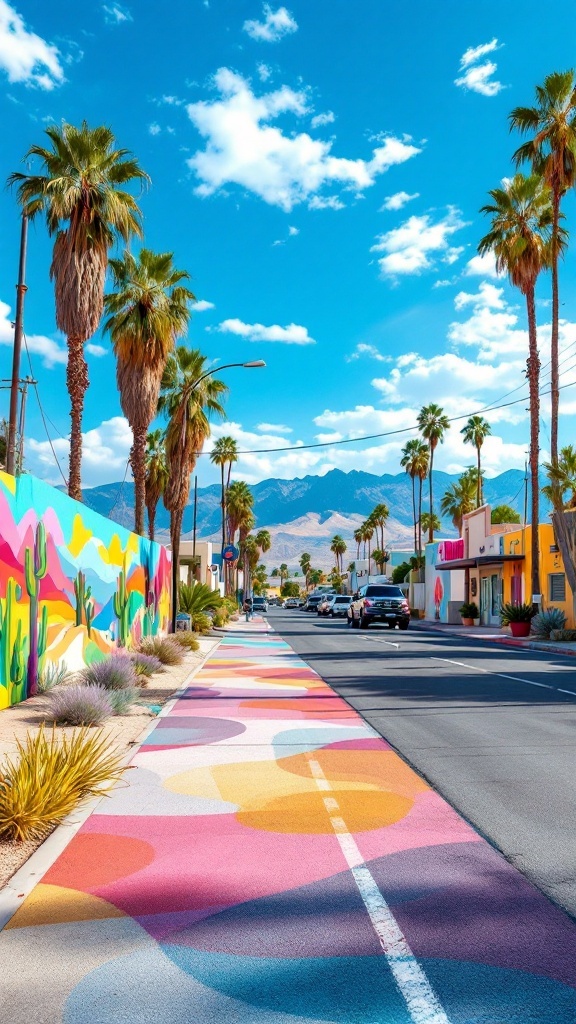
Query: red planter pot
(520, 628)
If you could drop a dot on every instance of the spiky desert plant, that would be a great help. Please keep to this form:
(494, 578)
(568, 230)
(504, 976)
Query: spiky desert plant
(546, 621)
(198, 598)
(145, 665)
(186, 638)
(80, 705)
(123, 700)
(201, 623)
(52, 675)
(50, 776)
(114, 673)
(164, 648)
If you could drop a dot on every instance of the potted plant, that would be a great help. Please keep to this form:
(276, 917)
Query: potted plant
(475, 613)
(518, 617)
(468, 611)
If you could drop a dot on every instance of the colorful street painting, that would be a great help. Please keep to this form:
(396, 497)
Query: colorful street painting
(73, 585)
(270, 859)
(442, 588)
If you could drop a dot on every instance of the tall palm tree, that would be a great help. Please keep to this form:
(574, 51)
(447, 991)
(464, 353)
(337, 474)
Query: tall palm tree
(475, 431)
(338, 548)
(432, 424)
(368, 530)
(562, 478)
(263, 541)
(522, 218)
(379, 516)
(82, 195)
(305, 564)
(283, 573)
(358, 537)
(430, 522)
(239, 505)
(224, 454)
(459, 499)
(415, 460)
(188, 399)
(147, 313)
(156, 475)
(552, 153)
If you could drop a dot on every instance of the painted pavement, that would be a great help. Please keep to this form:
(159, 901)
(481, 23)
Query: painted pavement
(271, 860)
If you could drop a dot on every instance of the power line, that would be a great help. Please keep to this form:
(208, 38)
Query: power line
(42, 414)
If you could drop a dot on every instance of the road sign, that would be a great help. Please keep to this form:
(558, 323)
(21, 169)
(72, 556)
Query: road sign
(230, 553)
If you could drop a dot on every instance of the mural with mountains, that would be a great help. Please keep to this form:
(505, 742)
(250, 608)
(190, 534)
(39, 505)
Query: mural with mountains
(303, 514)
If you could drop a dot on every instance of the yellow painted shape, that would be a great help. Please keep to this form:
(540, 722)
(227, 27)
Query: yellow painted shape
(9, 482)
(80, 536)
(196, 782)
(380, 769)
(53, 904)
(306, 813)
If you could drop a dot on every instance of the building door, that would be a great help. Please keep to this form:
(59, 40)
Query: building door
(485, 600)
(495, 598)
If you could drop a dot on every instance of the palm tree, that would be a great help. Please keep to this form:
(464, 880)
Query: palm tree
(188, 399)
(519, 238)
(239, 504)
(147, 313)
(358, 537)
(156, 475)
(284, 574)
(430, 523)
(305, 564)
(379, 516)
(378, 558)
(415, 460)
(432, 424)
(460, 498)
(552, 153)
(475, 431)
(562, 476)
(338, 548)
(263, 541)
(224, 454)
(83, 198)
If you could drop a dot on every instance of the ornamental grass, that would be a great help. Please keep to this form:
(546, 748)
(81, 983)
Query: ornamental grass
(50, 776)
(165, 648)
(187, 639)
(81, 705)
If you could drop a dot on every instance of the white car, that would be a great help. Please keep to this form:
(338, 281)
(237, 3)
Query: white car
(291, 602)
(338, 606)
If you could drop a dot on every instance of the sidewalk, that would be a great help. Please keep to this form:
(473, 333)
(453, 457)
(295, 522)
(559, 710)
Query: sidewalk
(493, 635)
(271, 860)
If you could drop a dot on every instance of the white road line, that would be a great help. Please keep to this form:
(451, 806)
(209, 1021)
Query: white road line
(571, 692)
(501, 675)
(378, 640)
(413, 985)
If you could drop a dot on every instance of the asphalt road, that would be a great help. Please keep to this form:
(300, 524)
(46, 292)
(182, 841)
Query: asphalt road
(492, 729)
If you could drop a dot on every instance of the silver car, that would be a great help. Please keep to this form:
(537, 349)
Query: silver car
(338, 606)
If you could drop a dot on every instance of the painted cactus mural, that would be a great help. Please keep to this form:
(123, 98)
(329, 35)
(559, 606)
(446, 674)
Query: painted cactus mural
(73, 585)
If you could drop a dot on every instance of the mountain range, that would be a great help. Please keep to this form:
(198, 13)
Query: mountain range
(303, 514)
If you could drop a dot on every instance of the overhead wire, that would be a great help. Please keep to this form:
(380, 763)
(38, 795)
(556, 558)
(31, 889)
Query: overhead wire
(42, 413)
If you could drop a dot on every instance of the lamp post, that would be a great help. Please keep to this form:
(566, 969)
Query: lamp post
(253, 364)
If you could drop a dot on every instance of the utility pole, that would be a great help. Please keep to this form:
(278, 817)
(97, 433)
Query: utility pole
(18, 331)
(25, 384)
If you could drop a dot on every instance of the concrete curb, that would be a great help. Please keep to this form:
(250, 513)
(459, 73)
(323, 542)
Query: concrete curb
(19, 887)
(508, 641)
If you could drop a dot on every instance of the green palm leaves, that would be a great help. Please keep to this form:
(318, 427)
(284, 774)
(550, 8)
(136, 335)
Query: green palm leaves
(433, 424)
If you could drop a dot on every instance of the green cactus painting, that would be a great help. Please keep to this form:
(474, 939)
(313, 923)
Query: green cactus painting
(35, 568)
(83, 595)
(122, 608)
(12, 651)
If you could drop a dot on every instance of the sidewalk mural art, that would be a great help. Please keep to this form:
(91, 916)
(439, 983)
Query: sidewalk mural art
(73, 585)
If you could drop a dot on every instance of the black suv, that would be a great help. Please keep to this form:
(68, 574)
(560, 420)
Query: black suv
(379, 602)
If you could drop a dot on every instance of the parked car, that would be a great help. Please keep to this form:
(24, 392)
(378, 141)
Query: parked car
(313, 600)
(323, 604)
(379, 602)
(291, 602)
(338, 606)
(259, 604)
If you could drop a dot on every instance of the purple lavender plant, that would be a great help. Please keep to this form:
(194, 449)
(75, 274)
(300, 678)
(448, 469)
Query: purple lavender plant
(114, 673)
(80, 705)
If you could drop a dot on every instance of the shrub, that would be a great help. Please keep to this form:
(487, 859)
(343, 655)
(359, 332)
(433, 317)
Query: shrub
(469, 610)
(81, 705)
(49, 777)
(165, 648)
(201, 623)
(198, 598)
(516, 613)
(146, 664)
(546, 621)
(122, 700)
(564, 635)
(114, 673)
(186, 638)
(52, 675)
(221, 616)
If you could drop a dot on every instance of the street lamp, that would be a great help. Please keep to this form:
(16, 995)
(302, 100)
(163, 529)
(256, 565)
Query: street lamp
(251, 365)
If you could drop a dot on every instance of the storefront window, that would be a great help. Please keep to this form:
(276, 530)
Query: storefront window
(496, 595)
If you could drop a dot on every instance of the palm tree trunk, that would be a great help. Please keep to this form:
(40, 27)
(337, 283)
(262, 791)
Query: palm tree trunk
(138, 464)
(414, 512)
(175, 531)
(77, 384)
(223, 502)
(554, 373)
(533, 383)
(479, 481)
(431, 528)
(151, 506)
(420, 517)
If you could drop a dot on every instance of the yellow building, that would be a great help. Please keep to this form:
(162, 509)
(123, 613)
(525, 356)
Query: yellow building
(517, 575)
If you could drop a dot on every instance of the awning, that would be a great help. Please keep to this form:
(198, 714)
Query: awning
(478, 562)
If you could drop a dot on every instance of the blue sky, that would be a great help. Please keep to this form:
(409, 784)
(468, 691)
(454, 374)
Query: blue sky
(318, 168)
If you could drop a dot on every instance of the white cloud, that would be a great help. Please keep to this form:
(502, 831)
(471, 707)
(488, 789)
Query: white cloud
(96, 350)
(475, 53)
(49, 350)
(154, 128)
(319, 120)
(479, 79)
(325, 203)
(293, 231)
(116, 14)
(243, 148)
(398, 200)
(362, 349)
(418, 244)
(275, 26)
(292, 334)
(105, 451)
(482, 266)
(202, 305)
(274, 428)
(25, 56)
(264, 71)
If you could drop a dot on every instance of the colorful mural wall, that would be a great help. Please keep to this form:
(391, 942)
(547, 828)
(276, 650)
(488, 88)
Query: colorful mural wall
(73, 585)
(444, 590)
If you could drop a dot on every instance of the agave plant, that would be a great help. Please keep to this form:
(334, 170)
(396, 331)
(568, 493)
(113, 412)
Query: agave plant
(546, 621)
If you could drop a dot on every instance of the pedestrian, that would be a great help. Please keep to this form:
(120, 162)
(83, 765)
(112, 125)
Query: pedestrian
(248, 608)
